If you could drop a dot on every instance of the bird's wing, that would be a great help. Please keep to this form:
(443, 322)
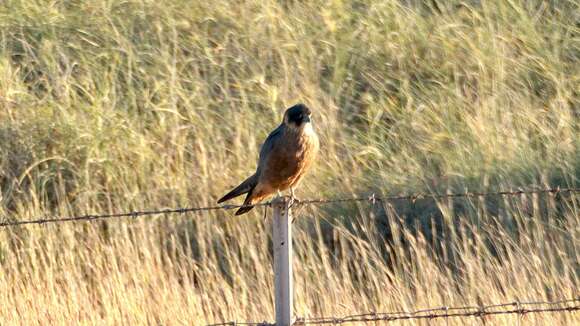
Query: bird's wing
(243, 188)
(251, 182)
(268, 145)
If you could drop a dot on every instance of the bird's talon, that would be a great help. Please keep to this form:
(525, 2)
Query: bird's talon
(293, 201)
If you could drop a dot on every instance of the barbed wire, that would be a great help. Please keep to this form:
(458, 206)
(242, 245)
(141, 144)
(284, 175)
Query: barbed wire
(372, 199)
(417, 196)
(519, 308)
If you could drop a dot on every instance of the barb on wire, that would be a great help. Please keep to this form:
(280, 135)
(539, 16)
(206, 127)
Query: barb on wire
(373, 199)
(519, 308)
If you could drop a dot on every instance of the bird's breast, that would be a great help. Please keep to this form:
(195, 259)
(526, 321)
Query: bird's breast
(305, 147)
(291, 158)
(305, 140)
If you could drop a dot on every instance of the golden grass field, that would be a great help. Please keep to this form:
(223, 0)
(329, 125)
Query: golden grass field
(113, 106)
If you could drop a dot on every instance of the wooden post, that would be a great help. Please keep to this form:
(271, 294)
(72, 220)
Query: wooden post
(282, 246)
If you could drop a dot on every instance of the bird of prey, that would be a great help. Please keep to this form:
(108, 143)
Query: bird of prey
(285, 156)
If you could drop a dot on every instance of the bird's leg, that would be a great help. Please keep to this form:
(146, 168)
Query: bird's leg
(293, 198)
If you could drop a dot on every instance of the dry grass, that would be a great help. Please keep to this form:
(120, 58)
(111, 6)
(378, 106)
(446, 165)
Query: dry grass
(121, 105)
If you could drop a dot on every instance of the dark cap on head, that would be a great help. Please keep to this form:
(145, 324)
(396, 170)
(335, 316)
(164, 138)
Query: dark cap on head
(298, 114)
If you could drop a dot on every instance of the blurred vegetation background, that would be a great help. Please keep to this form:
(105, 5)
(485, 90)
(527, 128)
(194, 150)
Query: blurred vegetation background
(109, 106)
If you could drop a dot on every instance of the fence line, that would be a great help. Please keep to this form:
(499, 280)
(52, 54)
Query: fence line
(519, 308)
(372, 199)
(283, 260)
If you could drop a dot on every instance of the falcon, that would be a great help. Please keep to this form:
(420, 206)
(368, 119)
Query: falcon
(285, 157)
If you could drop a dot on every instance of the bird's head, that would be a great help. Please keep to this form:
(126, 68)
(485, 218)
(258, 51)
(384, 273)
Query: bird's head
(298, 116)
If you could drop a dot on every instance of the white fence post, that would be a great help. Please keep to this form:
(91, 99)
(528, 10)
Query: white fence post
(282, 246)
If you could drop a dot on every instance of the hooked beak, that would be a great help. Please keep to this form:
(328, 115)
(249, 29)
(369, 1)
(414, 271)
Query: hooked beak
(306, 119)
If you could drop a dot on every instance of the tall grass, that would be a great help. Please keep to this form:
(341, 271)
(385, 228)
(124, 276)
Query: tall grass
(119, 105)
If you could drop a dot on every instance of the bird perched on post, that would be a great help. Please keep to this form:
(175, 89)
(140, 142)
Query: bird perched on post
(285, 156)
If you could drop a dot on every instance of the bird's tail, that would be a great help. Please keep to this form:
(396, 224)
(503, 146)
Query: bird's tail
(248, 201)
(243, 188)
(252, 199)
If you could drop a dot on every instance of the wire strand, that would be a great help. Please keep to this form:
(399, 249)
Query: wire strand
(520, 308)
(372, 199)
